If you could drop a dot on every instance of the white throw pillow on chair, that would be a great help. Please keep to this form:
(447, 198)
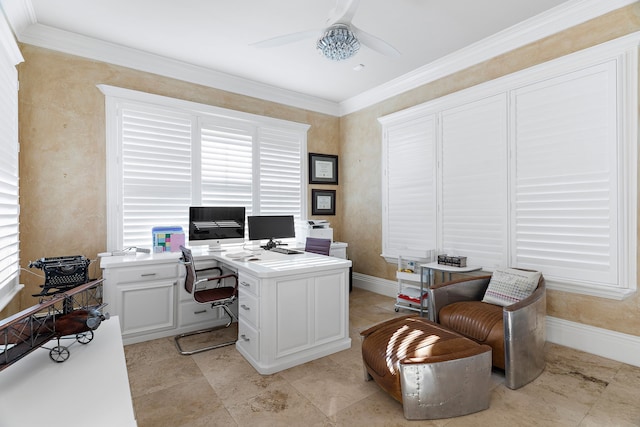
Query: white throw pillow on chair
(510, 285)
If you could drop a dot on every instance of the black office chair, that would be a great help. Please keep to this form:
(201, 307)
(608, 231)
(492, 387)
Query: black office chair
(318, 246)
(220, 296)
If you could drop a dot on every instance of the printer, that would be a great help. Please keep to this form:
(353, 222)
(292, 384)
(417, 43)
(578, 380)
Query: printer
(319, 228)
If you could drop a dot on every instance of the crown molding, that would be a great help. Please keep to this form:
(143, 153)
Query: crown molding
(564, 16)
(22, 19)
(87, 47)
(8, 43)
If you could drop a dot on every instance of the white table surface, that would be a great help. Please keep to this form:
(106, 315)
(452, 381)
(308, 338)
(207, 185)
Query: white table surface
(91, 388)
(450, 268)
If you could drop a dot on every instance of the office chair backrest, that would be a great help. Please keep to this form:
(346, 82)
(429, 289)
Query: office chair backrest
(187, 260)
(318, 246)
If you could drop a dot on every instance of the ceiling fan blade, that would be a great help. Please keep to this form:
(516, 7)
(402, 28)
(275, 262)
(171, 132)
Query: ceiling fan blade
(286, 39)
(343, 12)
(374, 42)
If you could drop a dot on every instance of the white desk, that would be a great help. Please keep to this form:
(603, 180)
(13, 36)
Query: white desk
(91, 388)
(291, 308)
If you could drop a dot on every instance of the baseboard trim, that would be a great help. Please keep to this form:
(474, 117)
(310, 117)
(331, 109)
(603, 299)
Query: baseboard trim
(375, 284)
(601, 342)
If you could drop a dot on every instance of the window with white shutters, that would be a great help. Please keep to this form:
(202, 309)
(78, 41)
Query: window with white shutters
(164, 155)
(409, 222)
(535, 170)
(9, 203)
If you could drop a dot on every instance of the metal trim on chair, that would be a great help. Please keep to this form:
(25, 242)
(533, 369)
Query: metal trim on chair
(220, 297)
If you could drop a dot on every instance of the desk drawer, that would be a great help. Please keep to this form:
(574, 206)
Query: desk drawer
(248, 340)
(248, 308)
(192, 313)
(249, 284)
(146, 273)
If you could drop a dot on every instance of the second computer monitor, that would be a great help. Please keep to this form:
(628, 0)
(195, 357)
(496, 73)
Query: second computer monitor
(269, 227)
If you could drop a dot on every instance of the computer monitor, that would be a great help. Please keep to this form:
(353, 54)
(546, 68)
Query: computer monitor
(271, 227)
(216, 225)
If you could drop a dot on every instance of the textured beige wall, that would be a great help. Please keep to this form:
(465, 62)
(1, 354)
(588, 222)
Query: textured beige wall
(360, 134)
(62, 154)
(62, 157)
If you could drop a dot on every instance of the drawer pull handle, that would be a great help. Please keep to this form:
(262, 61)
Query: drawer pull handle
(200, 312)
(248, 285)
(148, 274)
(244, 338)
(244, 307)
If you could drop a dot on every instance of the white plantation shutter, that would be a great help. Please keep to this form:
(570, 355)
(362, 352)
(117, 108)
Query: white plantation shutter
(9, 147)
(227, 164)
(536, 170)
(280, 172)
(156, 171)
(164, 155)
(409, 222)
(474, 182)
(565, 193)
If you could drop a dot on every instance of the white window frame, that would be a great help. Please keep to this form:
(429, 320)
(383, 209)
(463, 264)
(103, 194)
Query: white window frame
(114, 96)
(623, 52)
(10, 56)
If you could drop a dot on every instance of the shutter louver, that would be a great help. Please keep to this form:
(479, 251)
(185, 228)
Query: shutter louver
(227, 164)
(566, 183)
(156, 167)
(474, 160)
(280, 172)
(410, 191)
(9, 238)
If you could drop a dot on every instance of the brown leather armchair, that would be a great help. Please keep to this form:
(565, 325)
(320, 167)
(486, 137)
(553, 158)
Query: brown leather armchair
(516, 333)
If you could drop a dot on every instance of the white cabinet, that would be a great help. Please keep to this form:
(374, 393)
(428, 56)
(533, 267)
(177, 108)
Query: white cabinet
(285, 321)
(143, 297)
(248, 315)
(291, 308)
(147, 293)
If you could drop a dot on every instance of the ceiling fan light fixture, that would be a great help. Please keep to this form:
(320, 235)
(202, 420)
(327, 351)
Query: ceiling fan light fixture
(338, 43)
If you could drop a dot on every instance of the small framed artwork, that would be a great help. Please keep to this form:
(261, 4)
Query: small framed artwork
(323, 202)
(323, 169)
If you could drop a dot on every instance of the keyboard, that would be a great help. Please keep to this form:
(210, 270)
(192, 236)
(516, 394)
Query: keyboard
(285, 251)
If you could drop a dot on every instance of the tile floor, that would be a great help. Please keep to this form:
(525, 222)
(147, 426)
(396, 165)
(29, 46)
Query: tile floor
(219, 388)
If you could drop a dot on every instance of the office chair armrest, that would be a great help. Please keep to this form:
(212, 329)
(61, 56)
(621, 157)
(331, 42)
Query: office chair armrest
(221, 278)
(198, 270)
(199, 283)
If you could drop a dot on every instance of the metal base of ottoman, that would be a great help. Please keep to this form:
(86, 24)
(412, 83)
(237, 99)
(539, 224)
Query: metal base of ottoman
(446, 389)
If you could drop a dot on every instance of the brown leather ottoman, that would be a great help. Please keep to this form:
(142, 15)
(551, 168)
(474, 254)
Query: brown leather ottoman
(433, 371)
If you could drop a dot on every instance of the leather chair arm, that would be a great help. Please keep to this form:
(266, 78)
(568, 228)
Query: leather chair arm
(466, 289)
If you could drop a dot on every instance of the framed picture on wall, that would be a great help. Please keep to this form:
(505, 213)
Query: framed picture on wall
(323, 169)
(323, 202)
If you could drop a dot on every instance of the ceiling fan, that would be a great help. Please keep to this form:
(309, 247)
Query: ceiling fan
(340, 39)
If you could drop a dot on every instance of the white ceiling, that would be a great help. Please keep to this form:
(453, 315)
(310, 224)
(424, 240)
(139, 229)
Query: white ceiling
(215, 35)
